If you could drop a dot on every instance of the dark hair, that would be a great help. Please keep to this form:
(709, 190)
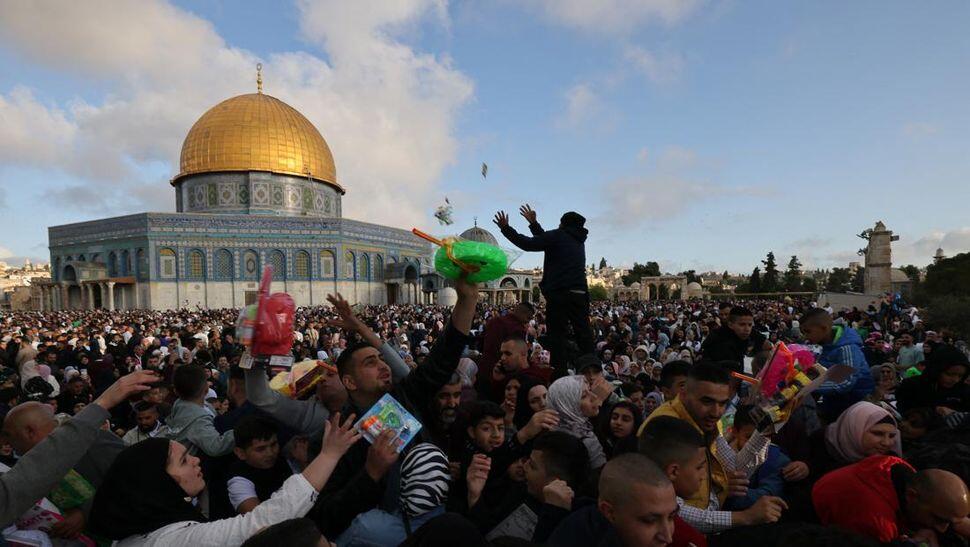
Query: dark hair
(814, 315)
(190, 381)
(629, 388)
(564, 456)
(612, 445)
(667, 440)
(345, 362)
(479, 410)
(723, 305)
(145, 406)
(738, 312)
(253, 428)
(742, 417)
(301, 531)
(527, 305)
(709, 371)
(672, 370)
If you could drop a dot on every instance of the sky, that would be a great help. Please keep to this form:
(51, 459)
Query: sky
(700, 134)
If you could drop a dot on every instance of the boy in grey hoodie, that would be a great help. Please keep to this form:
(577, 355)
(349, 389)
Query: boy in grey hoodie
(190, 421)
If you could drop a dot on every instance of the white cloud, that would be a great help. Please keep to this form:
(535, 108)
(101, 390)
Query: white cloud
(635, 201)
(676, 158)
(583, 109)
(658, 68)
(387, 111)
(614, 16)
(921, 250)
(918, 130)
(5, 252)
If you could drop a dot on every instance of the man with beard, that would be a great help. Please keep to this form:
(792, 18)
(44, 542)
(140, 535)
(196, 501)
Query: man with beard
(146, 415)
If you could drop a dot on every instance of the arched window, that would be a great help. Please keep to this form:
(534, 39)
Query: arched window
(378, 268)
(196, 264)
(349, 270)
(301, 264)
(364, 273)
(81, 258)
(250, 264)
(327, 264)
(125, 268)
(278, 261)
(141, 264)
(95, 257)
(223, 264)
(112, 264)
(167, 263)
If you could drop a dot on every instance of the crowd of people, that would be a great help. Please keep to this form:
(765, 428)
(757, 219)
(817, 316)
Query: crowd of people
(567, 423)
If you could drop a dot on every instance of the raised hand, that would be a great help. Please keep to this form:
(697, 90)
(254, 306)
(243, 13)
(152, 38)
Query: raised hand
(527, 213)
(381, 455)
(501, 219)
(126, 386)
(477, 476)
(348, 320)
(559, 494)
(544, 420)
(337, 437)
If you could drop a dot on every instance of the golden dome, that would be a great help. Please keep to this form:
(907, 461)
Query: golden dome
(256, 132)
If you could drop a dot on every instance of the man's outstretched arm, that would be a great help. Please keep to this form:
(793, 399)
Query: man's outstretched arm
(526, 243)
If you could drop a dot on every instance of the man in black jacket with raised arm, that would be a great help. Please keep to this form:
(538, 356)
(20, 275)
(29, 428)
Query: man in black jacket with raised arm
(563, 278)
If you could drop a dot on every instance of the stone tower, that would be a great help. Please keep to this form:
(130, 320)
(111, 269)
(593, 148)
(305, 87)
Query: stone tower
(879, 260)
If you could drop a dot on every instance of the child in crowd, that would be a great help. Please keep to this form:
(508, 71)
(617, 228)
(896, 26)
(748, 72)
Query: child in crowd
(840, 346)
(767, 477)
(258, 470)
(191, 420)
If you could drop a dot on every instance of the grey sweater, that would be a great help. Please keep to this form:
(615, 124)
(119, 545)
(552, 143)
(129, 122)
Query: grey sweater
(306, 417)
(39, 471)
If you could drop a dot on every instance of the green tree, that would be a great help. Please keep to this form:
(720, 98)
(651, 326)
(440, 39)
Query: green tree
(949, 277)
(754, 282)
(641, 270)
(859, 280)
(598, 293)
(691, 276)
(951, 312)
(769, 281)
(725, 276)
(603, 263)
(809, 284)
(840, 280)
(793, 275)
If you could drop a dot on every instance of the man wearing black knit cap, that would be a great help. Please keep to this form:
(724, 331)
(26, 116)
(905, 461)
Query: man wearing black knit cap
(563, 278)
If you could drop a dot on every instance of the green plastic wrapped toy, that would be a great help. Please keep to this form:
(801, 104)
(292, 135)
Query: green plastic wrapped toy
(482, 261)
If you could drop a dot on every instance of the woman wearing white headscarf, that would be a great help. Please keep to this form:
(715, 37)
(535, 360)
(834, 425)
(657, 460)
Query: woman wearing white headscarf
(576, 404)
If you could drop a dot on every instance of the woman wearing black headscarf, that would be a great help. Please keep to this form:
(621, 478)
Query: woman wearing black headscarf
(145, 498)
(942, 384)
(531, 398)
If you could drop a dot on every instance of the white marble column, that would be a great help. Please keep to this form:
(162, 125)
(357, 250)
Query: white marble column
(111, 295)
(90, 303)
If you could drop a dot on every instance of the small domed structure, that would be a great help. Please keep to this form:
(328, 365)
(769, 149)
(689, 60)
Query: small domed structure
(694, 290)
(635, 285)
(480, 235)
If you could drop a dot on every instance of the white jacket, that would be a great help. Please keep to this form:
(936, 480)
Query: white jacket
(293, 500)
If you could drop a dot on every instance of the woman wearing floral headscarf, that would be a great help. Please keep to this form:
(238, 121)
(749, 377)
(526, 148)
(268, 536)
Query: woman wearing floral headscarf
(576, 404)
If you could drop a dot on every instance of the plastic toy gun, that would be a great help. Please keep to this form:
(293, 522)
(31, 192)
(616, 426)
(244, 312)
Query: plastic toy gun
(266, 328)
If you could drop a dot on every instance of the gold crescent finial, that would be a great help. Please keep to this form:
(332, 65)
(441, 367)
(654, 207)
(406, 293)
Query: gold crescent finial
(259, 77)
